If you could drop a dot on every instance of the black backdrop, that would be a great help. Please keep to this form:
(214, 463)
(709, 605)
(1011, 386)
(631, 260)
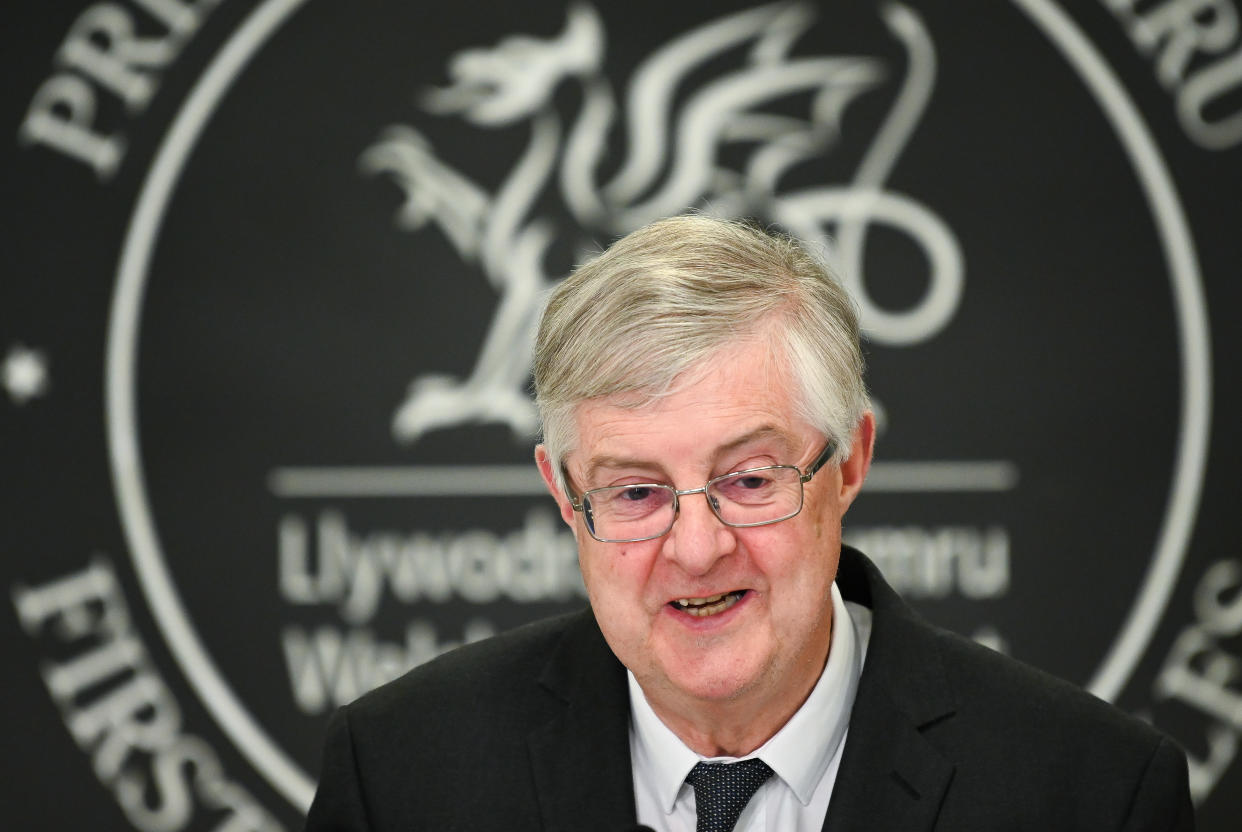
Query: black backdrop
(269, 270)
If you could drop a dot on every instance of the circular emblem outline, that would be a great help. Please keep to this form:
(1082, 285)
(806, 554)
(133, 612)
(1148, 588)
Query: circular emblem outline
(146, 552)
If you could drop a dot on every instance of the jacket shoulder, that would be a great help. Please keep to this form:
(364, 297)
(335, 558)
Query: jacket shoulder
(1022, 749)
(996, 687)
(932, 672)
(417, 753)
(1028, 745)
(496, 670)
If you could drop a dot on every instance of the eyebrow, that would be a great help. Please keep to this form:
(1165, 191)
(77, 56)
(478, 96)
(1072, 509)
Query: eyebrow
(603, 461)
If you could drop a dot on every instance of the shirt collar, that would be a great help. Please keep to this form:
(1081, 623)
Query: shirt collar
(799, 753)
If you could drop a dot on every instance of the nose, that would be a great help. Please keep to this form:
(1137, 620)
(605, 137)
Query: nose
(698, 539)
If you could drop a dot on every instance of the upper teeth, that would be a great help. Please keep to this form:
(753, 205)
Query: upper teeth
(710, 605)
(711, 599)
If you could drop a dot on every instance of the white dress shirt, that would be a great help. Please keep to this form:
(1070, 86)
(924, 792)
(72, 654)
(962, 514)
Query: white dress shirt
(804, 754)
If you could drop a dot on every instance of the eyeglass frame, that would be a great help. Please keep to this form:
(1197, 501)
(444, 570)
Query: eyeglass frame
(578, 501)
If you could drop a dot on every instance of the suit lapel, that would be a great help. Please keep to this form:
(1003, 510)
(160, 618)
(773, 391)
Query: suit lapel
(891, 776)
(891, 779)
(581, 758)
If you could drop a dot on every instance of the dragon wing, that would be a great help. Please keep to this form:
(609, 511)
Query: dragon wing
(726, 111)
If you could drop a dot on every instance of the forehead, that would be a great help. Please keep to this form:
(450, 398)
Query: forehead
(743, 398)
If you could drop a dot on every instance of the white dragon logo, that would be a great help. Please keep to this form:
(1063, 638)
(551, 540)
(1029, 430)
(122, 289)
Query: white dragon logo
(515, 81)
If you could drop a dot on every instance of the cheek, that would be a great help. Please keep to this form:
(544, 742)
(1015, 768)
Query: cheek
(781, 551)
(589, 565)
(825, 525)
(614, 571)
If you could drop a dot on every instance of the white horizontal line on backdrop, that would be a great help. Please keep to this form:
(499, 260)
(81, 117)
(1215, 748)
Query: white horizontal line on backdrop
(523, 480)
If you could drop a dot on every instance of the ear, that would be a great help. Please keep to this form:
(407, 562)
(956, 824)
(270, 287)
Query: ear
(854, 470)
(544, 461)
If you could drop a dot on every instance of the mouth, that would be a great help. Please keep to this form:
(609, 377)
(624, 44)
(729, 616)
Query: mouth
(709, 605)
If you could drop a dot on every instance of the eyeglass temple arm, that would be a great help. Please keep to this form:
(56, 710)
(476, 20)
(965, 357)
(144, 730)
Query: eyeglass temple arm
(820, 461)
(574, 499)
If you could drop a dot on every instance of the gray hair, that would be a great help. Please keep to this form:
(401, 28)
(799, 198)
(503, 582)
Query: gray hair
(666, 297)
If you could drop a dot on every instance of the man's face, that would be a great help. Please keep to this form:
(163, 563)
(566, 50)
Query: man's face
(771, 632)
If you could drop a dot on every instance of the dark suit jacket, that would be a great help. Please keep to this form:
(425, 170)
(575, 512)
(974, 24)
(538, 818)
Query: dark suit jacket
(529, 731)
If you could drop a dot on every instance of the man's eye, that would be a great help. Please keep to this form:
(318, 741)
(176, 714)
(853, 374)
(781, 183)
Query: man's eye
(746, 488)
(636, 494)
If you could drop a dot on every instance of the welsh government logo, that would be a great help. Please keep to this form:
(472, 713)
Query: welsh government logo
(318, 419)
(674, 160)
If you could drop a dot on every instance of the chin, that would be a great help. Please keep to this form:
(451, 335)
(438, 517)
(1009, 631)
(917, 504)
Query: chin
(720, 686)
(726, 691)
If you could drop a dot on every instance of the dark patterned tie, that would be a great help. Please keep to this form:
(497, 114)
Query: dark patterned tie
(722, 790)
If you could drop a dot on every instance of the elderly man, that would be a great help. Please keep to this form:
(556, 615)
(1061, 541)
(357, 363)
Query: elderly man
(706, 427)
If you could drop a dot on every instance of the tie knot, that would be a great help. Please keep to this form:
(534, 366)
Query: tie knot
(722, 790)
